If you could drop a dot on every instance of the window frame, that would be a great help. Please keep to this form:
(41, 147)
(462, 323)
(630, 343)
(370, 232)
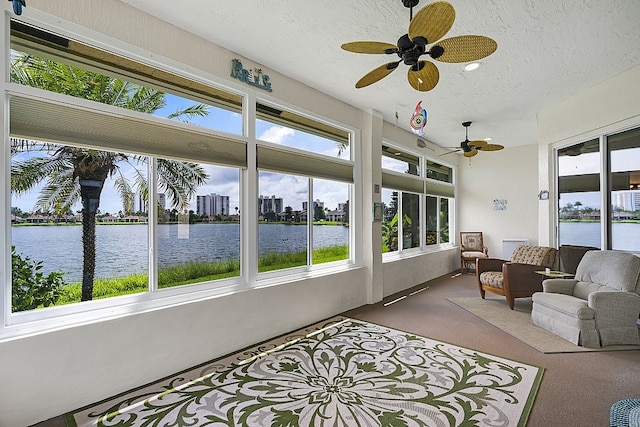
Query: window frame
(42, 320)
(423, 186)
(605, 177)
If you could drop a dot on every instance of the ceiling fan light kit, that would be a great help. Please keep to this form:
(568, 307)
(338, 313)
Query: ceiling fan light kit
(429, 25)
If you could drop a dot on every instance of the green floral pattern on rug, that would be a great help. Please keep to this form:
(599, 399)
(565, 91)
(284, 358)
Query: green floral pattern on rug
(351, 373)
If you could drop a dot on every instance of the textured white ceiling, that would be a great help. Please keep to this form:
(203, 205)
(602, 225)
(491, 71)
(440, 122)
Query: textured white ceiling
(548, 50)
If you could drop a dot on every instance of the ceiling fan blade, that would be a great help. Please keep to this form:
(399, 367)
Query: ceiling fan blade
(480, 145)
(432, 21)
(471, 153)
(424, 79)
(492, 147)
(449, 152)
(376, 74)
(369, 47)
(466, 48)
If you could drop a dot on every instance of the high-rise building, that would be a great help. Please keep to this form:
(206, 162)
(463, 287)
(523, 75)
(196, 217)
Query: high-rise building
(212, 204)
(270, 204)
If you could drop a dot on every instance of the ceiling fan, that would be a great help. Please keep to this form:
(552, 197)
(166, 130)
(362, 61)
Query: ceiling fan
(470, 148)
(429, 25)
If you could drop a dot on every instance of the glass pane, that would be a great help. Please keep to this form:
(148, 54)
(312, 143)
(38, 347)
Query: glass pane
(76, 220)
(410, 220)
(624, 150)
(400, 161)
(432, 220)
(108, 88)
(389, 220)
(282, 214)
(293, 130)
(579, 194)
(331, 221)
(198, 222)
(439, 172)
(444, 220)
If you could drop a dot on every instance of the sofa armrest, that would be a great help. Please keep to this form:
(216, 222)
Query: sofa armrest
(559, 286)
(488, 264)
(616, 304)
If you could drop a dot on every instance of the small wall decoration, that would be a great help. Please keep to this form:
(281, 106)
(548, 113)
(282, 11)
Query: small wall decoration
(499, 205)
(253, 77)
(377, 211)
(418, 119)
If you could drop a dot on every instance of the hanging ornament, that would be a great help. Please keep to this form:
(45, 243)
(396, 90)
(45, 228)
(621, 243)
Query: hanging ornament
(418, 119)
(18, 5)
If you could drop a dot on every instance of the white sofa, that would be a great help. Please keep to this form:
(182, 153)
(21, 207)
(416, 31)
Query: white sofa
(599, 307)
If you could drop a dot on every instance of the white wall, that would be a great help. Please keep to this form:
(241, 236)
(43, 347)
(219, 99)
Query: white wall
(507, 174)
(47, 374)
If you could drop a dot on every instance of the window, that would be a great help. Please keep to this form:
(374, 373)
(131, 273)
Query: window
(624, 157)
(404, 186)
(587, 211)
(579, 194)
(198, 235)
(283, 236)
(291, 129)
(143, 168)
(400, 161)
(91, 153)
(305, 179)
(330, 229)
(437, 220)
(74, 213)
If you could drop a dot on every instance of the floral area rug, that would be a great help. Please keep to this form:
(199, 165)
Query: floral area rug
(341, 372)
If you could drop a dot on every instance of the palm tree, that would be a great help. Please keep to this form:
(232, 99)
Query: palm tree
(71, 173)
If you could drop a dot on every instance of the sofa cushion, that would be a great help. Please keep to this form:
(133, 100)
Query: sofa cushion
(535, 255)
(566, 304)
(614, 269)
(492, 278)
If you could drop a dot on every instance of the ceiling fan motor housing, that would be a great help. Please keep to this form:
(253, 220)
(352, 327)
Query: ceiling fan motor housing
(410, 3)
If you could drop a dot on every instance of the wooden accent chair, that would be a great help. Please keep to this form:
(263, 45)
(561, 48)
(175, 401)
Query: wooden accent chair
(471, 248)
(515, 278)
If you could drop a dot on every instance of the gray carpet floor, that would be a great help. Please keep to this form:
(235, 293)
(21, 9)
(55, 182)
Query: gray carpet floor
(577, 389)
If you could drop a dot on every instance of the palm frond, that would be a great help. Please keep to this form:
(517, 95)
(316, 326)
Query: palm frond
(180, 180)
(60, 193)
(26, 175)
(196, 110)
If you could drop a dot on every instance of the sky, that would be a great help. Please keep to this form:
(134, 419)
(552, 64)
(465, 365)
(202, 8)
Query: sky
(225, 180)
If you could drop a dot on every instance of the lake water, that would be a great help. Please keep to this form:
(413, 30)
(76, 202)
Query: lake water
(625, 236)
(123, 249)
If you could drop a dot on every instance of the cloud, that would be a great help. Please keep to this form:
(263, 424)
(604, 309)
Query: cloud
(276, 134)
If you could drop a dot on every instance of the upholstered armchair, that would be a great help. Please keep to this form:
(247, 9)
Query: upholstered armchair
(471, 248)
(515, 278)
(599, 307)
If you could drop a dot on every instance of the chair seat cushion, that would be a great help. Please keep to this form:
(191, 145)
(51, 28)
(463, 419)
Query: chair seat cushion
(492, 278)
(473, 254)
(566, 304)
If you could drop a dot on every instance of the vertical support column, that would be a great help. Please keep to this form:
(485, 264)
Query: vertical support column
(249, 198)
(371, 173)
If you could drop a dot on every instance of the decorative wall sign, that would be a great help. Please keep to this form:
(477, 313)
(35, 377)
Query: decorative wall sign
(253, 77)
(499, 204)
